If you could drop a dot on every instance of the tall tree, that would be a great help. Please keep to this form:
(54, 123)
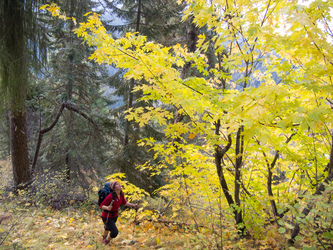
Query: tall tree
(247, 128)
(72, 79)
(14, 84)
(159, 21)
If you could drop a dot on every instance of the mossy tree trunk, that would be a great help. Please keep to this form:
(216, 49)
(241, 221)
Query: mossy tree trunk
(14, 76)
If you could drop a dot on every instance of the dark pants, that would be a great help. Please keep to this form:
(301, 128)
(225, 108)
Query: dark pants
(110, 225)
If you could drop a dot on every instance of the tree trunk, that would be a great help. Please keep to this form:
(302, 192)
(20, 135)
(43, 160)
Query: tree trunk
(219, 153)
(19, 149)
(270, 168)
(69, 93)
(131, 84)
(270, 191)
(129, 105)
(239, 161)
(191, 42)
(14, 74)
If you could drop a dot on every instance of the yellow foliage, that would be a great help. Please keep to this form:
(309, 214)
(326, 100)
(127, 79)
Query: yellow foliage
(287, 115)
(131, 191)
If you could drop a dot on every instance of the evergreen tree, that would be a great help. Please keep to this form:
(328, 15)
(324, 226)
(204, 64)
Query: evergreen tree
(159, 21)
(74, 145)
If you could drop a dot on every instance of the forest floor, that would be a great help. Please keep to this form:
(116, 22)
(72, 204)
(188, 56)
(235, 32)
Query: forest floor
(24, 225)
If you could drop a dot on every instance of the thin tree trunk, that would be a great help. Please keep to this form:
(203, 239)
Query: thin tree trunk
(270, 168)
(270, 192)
(330, 165)
(239, 161)
(131, 84)
(192, 38)
(129, 105)
(219, 153)
(69, 88)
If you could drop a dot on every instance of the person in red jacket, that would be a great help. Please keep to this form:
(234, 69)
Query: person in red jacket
(110, 207)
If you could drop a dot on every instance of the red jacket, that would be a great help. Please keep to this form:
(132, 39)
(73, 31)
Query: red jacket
(116, 203)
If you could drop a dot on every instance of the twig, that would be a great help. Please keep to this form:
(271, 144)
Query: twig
(4, 238)
(165, 208)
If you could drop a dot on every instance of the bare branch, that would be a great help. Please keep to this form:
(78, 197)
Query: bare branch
(64, 105)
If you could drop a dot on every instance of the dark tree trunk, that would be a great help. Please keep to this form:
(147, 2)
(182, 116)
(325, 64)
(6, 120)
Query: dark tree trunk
(219, 153)
(239, 161)
(270, 191)
(270, 168)
(14, 74)
(19, 149)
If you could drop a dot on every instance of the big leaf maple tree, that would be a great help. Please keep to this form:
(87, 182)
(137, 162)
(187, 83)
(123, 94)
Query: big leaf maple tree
(260, 120)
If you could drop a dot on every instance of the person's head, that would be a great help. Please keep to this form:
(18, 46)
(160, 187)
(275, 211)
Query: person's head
(115, 186)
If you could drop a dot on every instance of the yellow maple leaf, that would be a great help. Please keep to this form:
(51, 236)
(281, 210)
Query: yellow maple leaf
(44, 6)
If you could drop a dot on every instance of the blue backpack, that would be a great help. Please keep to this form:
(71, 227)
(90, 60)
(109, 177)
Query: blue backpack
(103, 192)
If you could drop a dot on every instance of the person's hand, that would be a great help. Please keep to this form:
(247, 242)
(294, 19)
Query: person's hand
(136, 206)
(110, 206)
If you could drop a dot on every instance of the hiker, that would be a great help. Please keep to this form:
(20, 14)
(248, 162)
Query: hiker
(110, 207)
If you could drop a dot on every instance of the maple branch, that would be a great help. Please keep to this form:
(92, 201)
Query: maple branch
(315, 44)
(330, 102)
(194, 90)
(245, 189)
(124, 52)
(265, 16)
(240, 181)
(328, 27)
(167, 222)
